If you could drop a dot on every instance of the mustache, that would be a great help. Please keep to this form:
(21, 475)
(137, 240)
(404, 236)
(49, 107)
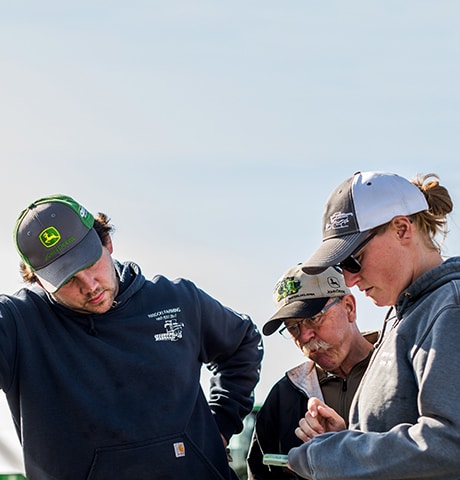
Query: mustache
(313, 346)
(94, 293)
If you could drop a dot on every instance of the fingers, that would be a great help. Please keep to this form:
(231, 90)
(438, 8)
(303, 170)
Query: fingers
(308, 428)
(331, 419)
(313, 404)
(311, 424)
(318, 419)
(302, 435)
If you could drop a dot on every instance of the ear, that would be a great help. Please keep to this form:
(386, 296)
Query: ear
(402, 226)
(108, 244)
(349, 303)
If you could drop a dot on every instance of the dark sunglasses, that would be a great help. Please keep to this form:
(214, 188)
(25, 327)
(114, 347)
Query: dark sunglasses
(351, 264)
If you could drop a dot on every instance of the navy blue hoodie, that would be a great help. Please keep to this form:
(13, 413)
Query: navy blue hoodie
(118, 395)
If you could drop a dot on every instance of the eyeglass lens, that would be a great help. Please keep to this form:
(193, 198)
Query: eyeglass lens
(293, 331)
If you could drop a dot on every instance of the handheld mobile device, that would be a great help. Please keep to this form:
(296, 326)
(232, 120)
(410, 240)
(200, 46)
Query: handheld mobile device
(276, 459)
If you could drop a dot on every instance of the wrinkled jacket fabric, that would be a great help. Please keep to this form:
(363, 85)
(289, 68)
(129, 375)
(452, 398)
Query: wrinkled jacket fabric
(286, 404)
(405, 420)
(118, 395)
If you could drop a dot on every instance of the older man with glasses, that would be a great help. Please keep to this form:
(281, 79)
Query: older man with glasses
(318, 313)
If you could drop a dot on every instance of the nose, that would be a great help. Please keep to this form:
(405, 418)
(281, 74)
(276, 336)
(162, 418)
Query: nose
(86, 281)
(306, 333)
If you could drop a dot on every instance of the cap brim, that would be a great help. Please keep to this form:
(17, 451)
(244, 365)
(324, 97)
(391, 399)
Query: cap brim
(299, 309)
(81, 256)
(332, 251)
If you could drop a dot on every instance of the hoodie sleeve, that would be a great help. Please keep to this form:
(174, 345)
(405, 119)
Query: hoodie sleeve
(232, 349)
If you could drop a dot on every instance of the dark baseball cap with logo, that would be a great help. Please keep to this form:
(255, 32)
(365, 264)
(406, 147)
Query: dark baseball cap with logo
(56, 239)
(299, 295)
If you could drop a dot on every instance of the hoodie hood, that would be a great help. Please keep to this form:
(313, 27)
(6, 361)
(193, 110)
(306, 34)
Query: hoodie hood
(427, 283)
(131, 280)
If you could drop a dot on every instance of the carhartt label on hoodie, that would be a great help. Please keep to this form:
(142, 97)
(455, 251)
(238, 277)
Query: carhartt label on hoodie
(179, 449)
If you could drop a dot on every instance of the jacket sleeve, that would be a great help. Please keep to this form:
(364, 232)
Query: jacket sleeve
(274, 431)
(232, 349)
(266, 433)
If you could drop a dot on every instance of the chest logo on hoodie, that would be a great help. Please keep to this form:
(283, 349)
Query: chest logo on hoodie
(172, 326)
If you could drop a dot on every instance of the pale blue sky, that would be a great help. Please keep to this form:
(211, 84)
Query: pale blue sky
(212, 132)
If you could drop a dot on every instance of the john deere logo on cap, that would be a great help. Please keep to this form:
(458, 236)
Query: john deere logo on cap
(49, 237)
(287, 286)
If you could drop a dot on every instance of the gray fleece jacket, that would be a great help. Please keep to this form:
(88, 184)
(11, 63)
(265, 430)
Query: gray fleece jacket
(405, 418)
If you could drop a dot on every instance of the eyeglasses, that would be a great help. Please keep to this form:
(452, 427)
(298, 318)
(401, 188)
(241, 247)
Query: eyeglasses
(351, 264)
(293, 331)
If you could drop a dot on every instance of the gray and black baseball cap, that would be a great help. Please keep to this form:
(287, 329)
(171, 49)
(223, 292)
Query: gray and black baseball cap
(360, 203)
(56, 239)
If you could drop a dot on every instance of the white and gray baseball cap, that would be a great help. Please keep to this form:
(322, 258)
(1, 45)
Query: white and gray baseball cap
(56, 239)
(362, 202)
(299, 295)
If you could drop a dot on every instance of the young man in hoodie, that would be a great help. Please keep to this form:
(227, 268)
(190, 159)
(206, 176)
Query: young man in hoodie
(318, 313)
(101, 367)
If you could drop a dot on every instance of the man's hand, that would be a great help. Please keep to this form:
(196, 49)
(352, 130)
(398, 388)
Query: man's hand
(319, 419)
